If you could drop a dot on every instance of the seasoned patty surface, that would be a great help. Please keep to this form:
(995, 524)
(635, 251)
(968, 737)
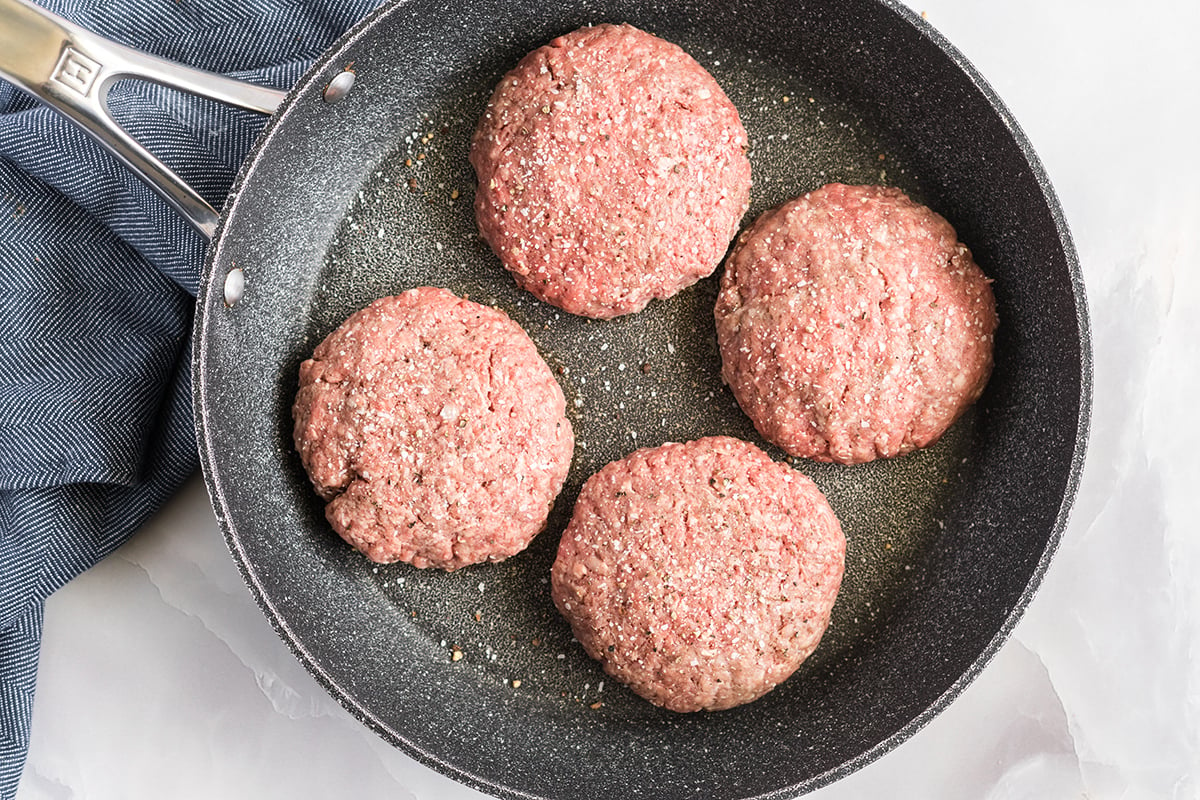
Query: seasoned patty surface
(853, 324)
(434, 430)
(611, 170)
(700, 574)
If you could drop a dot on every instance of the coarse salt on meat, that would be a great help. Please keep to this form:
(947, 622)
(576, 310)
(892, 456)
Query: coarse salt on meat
(699, 574)
(611, 171)
(434, 430)
(853, 324)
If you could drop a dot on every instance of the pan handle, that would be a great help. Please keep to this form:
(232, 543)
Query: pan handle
(72, 71)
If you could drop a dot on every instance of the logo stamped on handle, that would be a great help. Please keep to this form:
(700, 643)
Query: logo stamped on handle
(75, 71)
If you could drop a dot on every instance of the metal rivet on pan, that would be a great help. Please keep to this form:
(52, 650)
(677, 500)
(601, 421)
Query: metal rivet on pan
(235, 285)
(339, 87)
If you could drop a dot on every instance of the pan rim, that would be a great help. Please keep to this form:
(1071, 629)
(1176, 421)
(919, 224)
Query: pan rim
(208, 457)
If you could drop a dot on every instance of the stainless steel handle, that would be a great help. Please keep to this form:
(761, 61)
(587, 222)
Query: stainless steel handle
(72, 70)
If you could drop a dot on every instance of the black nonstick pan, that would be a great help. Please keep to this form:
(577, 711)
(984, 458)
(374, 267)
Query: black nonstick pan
(352, 195)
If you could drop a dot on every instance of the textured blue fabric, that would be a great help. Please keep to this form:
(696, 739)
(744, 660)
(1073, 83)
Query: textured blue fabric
(97, 277)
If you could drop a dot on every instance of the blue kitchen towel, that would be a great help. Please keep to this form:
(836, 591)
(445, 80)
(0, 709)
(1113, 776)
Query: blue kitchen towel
(97, 278)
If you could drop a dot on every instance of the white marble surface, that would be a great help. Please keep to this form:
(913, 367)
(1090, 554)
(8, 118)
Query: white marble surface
(161, 679)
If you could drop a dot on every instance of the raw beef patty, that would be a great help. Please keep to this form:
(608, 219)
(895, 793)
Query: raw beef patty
(611, 170)
(700, 574)
(434, 430)
(853, 324)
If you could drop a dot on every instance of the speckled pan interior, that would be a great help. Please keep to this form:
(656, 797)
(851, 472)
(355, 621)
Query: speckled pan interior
(341, 203)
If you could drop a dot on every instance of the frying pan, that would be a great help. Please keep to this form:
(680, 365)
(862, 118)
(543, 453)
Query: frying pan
(354, 194)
